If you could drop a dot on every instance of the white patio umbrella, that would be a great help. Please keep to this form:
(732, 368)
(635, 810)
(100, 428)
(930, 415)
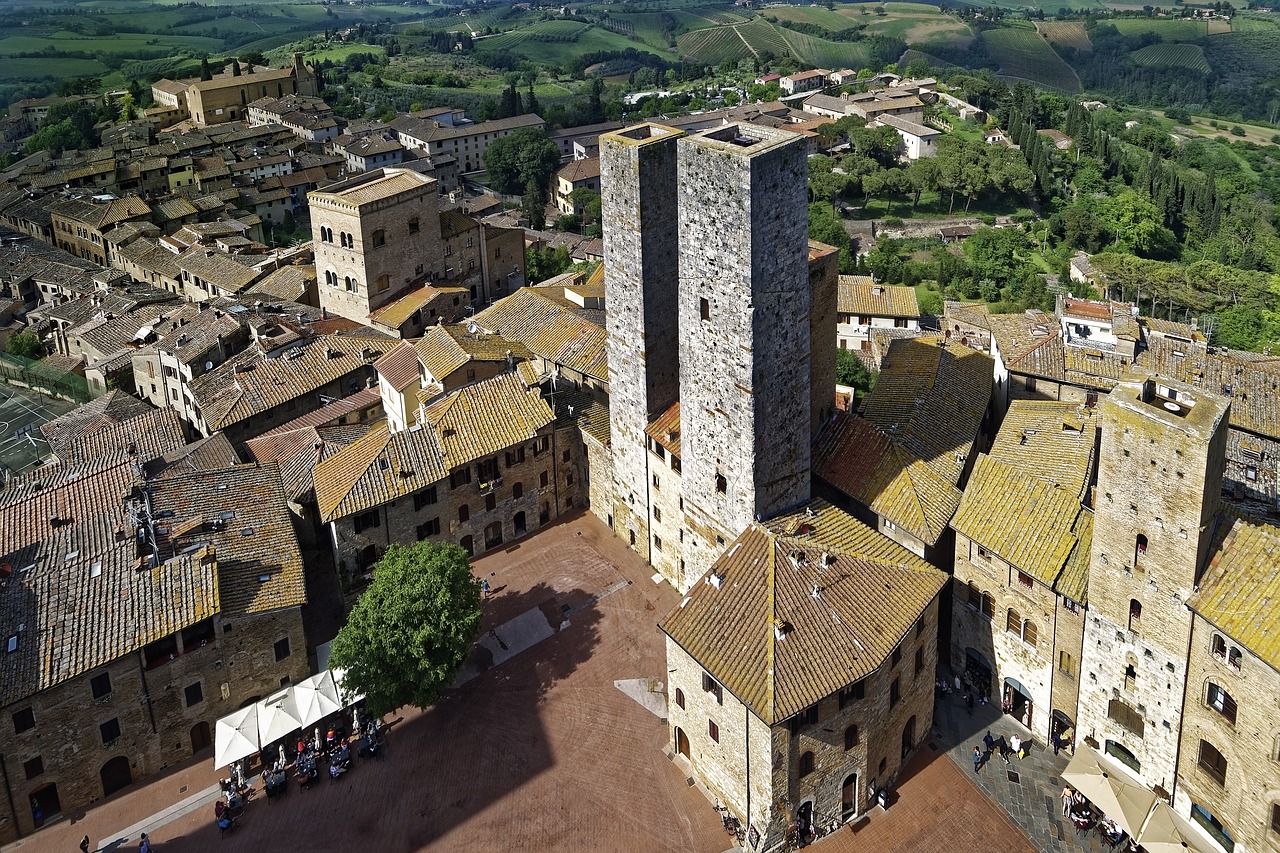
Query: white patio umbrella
(1166, 831)
(1125, 802)
(349, 696)
(316, 698)
(277, 716)
(235, 736)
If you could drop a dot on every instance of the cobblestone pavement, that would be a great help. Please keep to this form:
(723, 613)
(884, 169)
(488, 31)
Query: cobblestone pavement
(539, 753)
(1027, 789)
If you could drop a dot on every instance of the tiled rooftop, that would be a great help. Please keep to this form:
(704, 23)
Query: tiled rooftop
(1240, 589)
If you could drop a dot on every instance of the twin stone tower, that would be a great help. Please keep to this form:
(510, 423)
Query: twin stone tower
(721, 321)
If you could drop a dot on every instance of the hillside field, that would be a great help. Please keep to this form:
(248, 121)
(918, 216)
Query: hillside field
(1024, 55)
(1066, 33)
(1172, 55)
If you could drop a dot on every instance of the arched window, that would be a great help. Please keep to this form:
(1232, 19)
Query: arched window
(851, 737)
(1142, 545)
(1219, 647)
(1221, 701)
(1135, 614)
(464, 512)
(1233, 657)
(1029, 632)
(988, 605)
(975, 597)
(1130, 677)
(806, 763)
(679, 698)
(1013, 622)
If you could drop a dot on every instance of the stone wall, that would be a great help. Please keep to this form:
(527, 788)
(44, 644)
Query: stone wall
(667, 525)
(1243, 799)
(744, 321)
(638, 175)
(824, 274)
(158, 727)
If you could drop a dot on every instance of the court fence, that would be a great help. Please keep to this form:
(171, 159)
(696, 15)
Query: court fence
(46, 378)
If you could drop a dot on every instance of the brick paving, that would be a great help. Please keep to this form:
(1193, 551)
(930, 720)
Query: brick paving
(542, 753)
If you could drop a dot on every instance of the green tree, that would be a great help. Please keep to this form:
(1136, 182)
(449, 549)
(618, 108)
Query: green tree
(852, 372)
(410, 632)
(206, 73)
(25, 344)
(518, 160)
(547, 262)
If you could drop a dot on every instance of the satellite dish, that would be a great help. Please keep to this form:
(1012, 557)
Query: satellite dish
(472, 328)
(208, 365)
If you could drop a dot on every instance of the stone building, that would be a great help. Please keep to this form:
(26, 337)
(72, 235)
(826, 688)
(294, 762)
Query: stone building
(226, 97)
(181, 618)
(863, 305)
(1022, 544)
(1229, 754)
(1160, 466)
(375, 237)
(788, 697)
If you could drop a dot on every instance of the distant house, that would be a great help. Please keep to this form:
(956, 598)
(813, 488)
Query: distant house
(955, 233)
(804, 81)
(578, 174)
(862, 304)
(766, 79)
(1059, 139)
(843, 77)
(915, 139)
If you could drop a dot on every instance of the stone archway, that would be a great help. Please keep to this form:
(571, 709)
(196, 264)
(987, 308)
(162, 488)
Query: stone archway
(115, 775)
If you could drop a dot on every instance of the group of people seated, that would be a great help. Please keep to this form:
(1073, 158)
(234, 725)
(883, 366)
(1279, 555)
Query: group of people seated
(275, 782)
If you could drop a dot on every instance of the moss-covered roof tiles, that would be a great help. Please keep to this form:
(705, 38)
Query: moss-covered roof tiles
(771, 642)
(1240, 589)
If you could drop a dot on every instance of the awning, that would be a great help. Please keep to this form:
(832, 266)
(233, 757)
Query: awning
(316, 698)
(1166, 831)
(235, 736)
(349, 696)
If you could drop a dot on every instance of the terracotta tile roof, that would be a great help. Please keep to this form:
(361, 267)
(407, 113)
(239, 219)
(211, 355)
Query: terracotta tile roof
(143, 437)
(770, 642)
(1051, 441)
(443, 349)
(241, 512)
(446, 300)
(250, 383)
(81, 498)
(665, 429)
(365, 398)
(481, 419)
(206, 454)
(1094, 368)
(228, 272)
(1030, 343)
(587, 169)
(376, 469)
(550, 331)
(291, 283)
(1086, 309)
(399, 367)
(856, 296)
(1240, 588)
(1073, 582)
(1172, 327)
(392, 182)
(81, 613)
(1250, 381)
(297, 451)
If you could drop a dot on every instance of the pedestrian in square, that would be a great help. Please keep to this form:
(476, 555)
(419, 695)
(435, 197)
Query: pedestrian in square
(484, 588)
(1067, 796)
(989, 742)
(968, 703)
(977, 759)
(84, 844)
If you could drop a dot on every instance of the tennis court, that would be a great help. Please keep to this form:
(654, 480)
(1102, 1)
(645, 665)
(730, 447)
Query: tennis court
(22, 445)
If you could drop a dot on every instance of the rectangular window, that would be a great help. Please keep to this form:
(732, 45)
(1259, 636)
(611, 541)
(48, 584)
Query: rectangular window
(704, 309)
(282, 648)
(426, 497)
(713, 731)
(515, 457)
(460, 477)
(430, 528)
(1212, 762)
(1275, 818)
(657, 514)
(1066, 664)
(1221, 701)
(1126, 716)
(542, 479)
(853, 692)
(366, 520)
(23, 720)
(657, 542)
(895, 693)
(33, 767)
(919, 661)
(1025, 580)
(110, 730)
(100, 685)
(710, 685)
(194, 694)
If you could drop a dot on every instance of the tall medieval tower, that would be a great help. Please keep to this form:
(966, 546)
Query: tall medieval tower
(1160, 469)
(638, 174)
(744, 328)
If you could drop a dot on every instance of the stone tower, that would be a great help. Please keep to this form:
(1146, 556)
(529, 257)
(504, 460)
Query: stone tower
(638, 173)
(1160, 468)
(744, 307)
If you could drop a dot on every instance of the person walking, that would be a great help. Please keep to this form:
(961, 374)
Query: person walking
(1067, 796)
(989, 742)
(968, 703)
(977, 759)
(1015, 745)
(84, 844)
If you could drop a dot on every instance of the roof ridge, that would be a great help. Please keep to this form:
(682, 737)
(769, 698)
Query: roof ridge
(771, 601)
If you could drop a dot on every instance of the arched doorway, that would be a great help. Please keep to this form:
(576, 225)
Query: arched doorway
(45, 805)
(368, 556)
(1016, 701)
(804, 822)
(520, 523)
(200, 737)
(849, 797)
(493, 535)
(908, 737)
(682, 742)
(115, 775)
(466, 543)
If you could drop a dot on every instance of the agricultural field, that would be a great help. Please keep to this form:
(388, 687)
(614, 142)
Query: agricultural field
(1169, 29)
(1170, 55)
(918, 28)
(823, 52)
(1024, 55)
(741, 41)
(911, 55)
(1066, 34)
(555, 42)
(1253, 24)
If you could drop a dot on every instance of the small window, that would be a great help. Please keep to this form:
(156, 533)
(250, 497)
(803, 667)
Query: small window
(919, 667)
(1066, 664)
(806, 764)
(1275, 818)
(1221, 701)
(464, 513)
(1233, 657)
(429, 528)
(282, 648)
(34, 767)
(194, 694)
(679, 698)
(100, 685)
(565, 456)
(896, 657)
(710, 685)
(1219, 647)
(850, 737)
(424, 498)
(1130, 677)
(919, 627)
(110, 730)
(657, 542)
(713, 731)
(1025, 580)
(1135, 615)
(1212, 762)
(704, 309)
(657, 482)
(657, 514)
(542, 479)
(895, 693)
(722, 485)
(517, 491)
(413, 225)
(853, 692)
(378, 238)
(23, 720)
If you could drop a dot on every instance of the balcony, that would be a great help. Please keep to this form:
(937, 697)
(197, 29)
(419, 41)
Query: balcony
(490, 486)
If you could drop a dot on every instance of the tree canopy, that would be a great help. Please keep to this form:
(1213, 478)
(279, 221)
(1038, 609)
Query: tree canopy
(410, 632)
(522, 159)
(26, 344)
